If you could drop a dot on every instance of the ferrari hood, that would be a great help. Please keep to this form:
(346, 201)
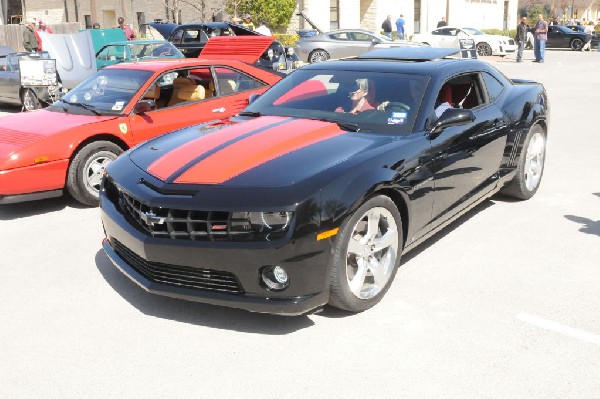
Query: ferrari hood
(263, 152)
(19, 130)
(247, 49)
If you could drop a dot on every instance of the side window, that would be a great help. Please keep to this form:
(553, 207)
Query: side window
(232, 81)
(362, 37)
(177, 87)
(176, 37)
(339, 36)
(494, 87)
(191, 36)
(462, 91)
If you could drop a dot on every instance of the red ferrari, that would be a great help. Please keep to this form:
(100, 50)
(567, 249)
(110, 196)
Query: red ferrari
(68, 144)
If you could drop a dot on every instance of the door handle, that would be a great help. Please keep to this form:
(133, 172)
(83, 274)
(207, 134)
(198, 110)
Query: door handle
(222, 109)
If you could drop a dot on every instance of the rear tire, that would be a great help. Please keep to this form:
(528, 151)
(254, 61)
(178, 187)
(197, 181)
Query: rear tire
(86, 169)
(530, 167)
(576, 44)
(366, 255)
(318, 56)
(30, 100)
(484, 49)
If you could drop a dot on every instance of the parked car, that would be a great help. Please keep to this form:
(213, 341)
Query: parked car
(581, 29)
(344, 43)
(11, 90)
(486, 44)
(560, 36)
(67, 145)
(136, 50)
(191, 39)
(295, 204)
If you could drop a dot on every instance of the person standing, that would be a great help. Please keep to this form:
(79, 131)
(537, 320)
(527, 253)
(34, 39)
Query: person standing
(386, 26)
(521, 38)
(540, 37)
(30, 41)
(129, 34)
(41, 28)
(247, 23)
(442, 23)
(400, 27)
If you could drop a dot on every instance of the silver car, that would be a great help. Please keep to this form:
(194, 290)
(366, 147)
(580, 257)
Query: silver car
(344, 43)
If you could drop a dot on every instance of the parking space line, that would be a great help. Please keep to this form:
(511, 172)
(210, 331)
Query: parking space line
(559, 328)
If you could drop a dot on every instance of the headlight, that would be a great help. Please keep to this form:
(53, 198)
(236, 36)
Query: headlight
(261, 222)
(290, 51)
(270, 53)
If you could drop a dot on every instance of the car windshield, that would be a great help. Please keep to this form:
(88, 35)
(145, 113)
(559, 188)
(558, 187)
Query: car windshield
(366, 101)
(107, 92)
(473, 31)
(154, 50)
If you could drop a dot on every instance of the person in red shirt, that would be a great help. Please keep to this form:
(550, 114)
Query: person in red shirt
(129, 34)
(358, 95)
(41, 28)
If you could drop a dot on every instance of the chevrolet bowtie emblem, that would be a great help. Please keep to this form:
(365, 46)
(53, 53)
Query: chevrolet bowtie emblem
(150, 218)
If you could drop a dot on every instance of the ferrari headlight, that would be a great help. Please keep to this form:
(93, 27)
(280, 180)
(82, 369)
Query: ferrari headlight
(261, 222)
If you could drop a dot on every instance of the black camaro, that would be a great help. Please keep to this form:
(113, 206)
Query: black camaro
(312, 193)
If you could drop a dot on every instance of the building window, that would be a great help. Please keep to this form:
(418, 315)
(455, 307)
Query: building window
(334, 14)
(88, 21)
(417, 16)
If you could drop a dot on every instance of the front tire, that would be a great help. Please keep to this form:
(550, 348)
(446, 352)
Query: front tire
(576, 44)
(530, 167)
(366, 255)
(86, 169)
(30, 100)
(318, 56)
(484, 49)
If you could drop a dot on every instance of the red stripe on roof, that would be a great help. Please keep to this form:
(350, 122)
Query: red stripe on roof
(258, 149)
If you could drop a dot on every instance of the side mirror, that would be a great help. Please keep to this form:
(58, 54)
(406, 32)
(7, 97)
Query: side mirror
(144, 106)
(253, 97)
(451, 117)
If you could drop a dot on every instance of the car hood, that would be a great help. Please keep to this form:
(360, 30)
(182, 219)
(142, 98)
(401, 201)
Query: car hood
(262, 152)
(21, 130)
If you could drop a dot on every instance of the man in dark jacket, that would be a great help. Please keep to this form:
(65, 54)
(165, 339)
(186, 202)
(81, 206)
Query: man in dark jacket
(30, 42)
(521, 38)
(386, 26)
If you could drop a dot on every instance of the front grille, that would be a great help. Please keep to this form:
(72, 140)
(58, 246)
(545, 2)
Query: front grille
(179, 276)
(184, 224)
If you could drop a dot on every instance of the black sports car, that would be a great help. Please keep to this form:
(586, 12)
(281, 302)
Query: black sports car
(560, 36)
(312, 193)
(581, 29)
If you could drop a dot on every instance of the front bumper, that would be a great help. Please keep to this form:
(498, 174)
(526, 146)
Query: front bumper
(166, 267)
(44, 180)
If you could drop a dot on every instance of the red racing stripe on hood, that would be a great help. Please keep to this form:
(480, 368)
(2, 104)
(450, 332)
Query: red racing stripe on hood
(168, 164)
(258, 149)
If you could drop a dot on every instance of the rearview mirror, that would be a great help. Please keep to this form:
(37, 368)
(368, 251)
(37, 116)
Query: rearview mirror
(253, 97)
(451, 117)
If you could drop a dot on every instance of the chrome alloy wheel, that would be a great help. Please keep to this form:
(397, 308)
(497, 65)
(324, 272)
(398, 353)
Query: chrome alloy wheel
(534, 161)
(94, 169)
(372, 252)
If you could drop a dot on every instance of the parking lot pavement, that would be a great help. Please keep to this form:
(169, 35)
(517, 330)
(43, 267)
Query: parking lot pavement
(503, 304)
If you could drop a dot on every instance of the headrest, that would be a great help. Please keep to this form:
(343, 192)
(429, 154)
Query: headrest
(180, 82)
(191, 93)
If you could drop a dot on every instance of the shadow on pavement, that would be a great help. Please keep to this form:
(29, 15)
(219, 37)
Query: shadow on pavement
(194, 312)
(32, 208)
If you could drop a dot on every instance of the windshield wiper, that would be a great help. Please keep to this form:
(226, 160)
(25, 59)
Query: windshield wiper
(82, 105)
(350, 126)
(252, 114)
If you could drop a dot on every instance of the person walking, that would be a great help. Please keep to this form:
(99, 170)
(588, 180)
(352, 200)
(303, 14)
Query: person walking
(386, 26)
(539, 39)
(129, 34)
(400, 27)
(589, 30)
(30, 41)
(521, 38)
(442, 22)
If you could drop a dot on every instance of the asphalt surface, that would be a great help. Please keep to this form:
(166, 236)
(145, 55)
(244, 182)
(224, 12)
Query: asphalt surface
(505, 303)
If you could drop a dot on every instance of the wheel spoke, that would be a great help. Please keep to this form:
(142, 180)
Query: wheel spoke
(355, 246)
(389, 239)
(373, 226)
(358, 281)
(379, 270)
(94, 180)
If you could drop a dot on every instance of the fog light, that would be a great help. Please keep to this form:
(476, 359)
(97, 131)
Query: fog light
(275, 278)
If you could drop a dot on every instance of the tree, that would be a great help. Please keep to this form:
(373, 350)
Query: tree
(174, 6)
(277, 13)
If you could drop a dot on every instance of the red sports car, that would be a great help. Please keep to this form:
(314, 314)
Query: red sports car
(68, 144)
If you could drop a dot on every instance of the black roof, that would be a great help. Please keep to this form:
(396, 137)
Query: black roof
(409, 54)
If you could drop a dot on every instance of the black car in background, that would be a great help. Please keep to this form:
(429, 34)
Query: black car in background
(560, 36)
(190, 39)
(581, 29)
